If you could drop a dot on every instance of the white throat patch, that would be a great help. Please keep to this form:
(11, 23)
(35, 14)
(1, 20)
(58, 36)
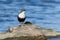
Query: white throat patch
(22, 15)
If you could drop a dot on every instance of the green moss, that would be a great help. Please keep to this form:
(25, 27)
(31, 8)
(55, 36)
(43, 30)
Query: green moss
(28, 23)
(50, 30)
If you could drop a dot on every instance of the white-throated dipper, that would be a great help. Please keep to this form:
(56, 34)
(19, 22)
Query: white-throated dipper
(21, 16)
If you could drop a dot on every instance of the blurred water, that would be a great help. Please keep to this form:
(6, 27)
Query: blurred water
(44, 13)
(57, 38)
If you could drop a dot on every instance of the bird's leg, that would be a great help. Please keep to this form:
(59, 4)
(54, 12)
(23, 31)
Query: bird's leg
(24, 22)
(21, 23)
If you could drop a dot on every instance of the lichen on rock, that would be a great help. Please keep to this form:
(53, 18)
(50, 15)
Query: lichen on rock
(28, 31)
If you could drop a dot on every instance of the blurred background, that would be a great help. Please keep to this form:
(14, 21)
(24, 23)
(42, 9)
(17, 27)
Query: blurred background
(44, 13)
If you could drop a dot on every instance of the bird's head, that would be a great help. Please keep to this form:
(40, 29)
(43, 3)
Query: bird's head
(23, 10)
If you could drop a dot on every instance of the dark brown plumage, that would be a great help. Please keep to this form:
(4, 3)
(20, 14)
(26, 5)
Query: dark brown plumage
(21, 16)
(21, 19)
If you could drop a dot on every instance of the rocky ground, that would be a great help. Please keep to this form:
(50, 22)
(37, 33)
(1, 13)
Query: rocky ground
(28, 31)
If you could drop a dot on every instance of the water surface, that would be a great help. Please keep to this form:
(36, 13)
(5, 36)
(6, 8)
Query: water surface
(39, 12)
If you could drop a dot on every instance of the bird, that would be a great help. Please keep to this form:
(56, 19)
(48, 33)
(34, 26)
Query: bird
(22, 16)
